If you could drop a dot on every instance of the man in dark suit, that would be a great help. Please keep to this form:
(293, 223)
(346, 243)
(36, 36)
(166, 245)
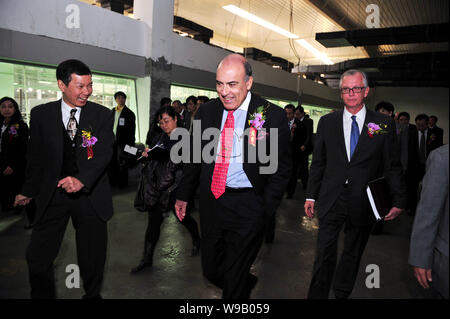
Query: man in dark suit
(124, 131)
(436, 134)
(71, 144)
(346, 157)
(295, 144)
(238, 187)
(304, 133)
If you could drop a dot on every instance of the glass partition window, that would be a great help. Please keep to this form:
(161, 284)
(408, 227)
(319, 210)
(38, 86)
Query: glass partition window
(179, 92)
(34, 85)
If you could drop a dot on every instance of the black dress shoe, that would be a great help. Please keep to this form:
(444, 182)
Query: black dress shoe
(142, 265)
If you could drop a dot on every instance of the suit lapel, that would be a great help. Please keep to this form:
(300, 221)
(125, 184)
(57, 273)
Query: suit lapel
(56, 130)
(340, 126)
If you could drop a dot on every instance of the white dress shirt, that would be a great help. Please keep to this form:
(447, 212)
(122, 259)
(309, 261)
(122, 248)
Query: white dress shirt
(65, 110)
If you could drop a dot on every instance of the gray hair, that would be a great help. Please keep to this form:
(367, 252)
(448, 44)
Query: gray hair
(353, 72)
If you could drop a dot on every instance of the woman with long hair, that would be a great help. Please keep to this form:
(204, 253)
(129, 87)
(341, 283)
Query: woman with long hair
(160, 180)
(13, 146)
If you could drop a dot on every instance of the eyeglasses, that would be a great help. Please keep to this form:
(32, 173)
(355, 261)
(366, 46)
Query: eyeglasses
(356, 89)
(164, 122)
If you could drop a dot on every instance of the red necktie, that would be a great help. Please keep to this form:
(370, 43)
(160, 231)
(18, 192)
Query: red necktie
(219, 179)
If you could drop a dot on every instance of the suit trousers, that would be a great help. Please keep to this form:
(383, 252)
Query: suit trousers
(232, 230)
(355, 241)
(303, 170)
(292, 184)
(48, 234)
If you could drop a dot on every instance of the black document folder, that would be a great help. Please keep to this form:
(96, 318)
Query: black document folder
(379, 197)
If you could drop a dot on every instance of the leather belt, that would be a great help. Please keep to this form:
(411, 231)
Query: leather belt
(238, 190)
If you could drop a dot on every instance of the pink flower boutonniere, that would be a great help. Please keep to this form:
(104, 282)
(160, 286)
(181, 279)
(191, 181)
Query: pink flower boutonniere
(256, 123)
(13, 129)
(376, 129)
(88, 141)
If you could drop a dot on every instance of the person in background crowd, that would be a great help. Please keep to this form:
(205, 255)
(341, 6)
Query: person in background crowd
(161, 177)
(192, 107)
(124, 131)
(153, 131)
(305, 133)
(428, 253)
(436, 134)
(13, 147)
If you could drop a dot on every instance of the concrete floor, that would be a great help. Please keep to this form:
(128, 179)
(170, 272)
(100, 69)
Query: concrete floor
(283, 267)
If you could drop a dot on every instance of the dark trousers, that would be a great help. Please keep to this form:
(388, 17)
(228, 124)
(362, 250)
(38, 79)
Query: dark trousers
(356, 238)
(9, 187)
(303, 170)
(155, 219)
(232, 233)
(47, 236)
(292, 184)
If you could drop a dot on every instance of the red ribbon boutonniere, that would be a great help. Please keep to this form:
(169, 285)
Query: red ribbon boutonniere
(88, 141)
(376, 129)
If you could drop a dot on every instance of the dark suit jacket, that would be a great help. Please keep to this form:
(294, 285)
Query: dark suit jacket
(435, 138)
(303, 135)
(373, 158)
(45, 156)
(125, 134)
(271, 187)
(14, 147)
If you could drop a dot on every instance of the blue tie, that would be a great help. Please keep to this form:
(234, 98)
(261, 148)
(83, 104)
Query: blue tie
(354, 135)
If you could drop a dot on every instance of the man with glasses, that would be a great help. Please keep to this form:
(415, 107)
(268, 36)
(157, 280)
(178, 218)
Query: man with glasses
(347, 155)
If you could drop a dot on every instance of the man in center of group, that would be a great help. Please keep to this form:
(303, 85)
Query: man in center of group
(235, 197)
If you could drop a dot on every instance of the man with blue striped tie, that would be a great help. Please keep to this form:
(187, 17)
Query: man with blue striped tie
(352, 147)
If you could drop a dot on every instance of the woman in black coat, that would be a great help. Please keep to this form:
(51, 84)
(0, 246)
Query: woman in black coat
(160, 178)
(13, 146)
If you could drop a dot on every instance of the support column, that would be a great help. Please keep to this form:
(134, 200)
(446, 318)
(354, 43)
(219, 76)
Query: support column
(158, 14)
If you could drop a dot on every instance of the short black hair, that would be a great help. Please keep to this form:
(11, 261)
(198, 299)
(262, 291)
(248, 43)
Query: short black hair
(192, 98)
(406, 114)
(203, 98)
(300, 108)
(289, 106)
(65, 70)
(165, 100)
(421, 117)
(435, 118)
(120, 93)
(385, 105)
(17, 116)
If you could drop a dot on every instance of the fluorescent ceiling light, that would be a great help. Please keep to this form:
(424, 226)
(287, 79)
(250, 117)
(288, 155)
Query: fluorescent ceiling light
(313, 50)
(266, 24)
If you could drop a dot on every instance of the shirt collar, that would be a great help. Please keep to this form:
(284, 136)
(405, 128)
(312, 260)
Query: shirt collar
(361, 115)
(246, 103)
(68, 108)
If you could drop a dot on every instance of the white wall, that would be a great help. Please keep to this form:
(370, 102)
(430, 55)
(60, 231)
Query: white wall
(197, 55)
(416, 100)
(98, 27)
